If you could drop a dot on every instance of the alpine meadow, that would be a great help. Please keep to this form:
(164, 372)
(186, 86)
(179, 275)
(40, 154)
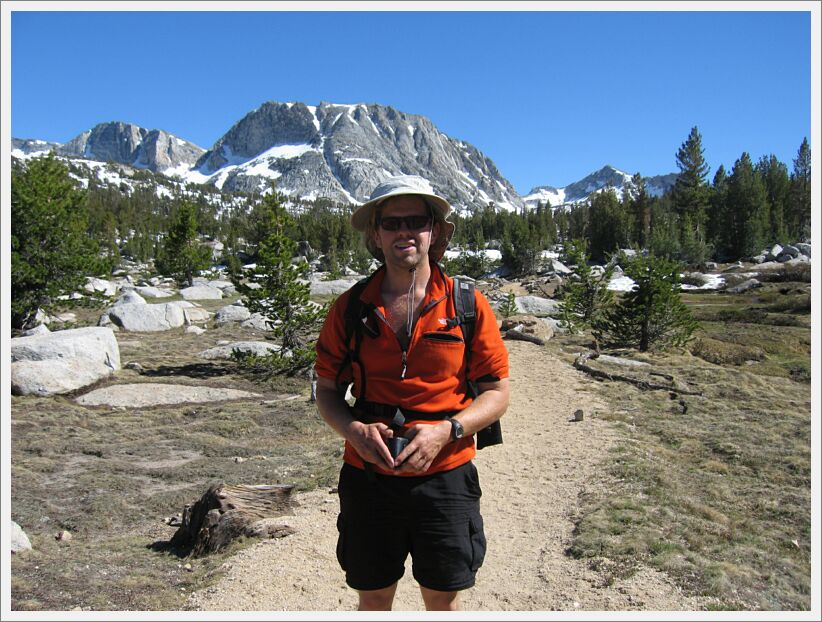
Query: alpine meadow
(166, 300)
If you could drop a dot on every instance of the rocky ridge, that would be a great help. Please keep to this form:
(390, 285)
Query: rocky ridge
(332, 151)
(606, 177)
(135, 146)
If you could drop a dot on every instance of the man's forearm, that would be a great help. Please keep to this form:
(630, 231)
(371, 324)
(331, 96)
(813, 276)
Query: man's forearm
(334, 410)
(489, 405)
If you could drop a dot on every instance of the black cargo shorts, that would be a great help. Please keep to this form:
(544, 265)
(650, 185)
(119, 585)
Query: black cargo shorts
(436, 518)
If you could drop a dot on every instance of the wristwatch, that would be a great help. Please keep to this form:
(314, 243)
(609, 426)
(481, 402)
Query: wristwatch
(457, 431)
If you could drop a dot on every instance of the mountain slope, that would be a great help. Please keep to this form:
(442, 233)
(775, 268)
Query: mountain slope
(332, 151)
(135, 146)
(607, 176)
(343, 151)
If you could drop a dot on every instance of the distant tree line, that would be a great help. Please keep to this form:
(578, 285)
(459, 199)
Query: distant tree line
(734, 215)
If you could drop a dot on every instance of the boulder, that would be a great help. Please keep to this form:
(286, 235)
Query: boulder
(534, 305)
(555, 325)
(232, 313)
(555, 265)
(772, 253)
(129, 298)
(227, 287)
(40, 329)
(107, 288)
(147, 318)
(62, 361)
(788, 253)
(192, 312)
(19, 540)
(798, 259)
(55, 377)
(260, 348)
(744, 286)
(153, 292)
(331, 288)
(201, 292)
(256, 322)
(803, 248)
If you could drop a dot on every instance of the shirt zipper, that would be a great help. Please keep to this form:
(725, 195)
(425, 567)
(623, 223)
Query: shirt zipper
(425, 310)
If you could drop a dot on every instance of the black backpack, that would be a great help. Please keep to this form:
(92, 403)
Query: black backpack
(356, 314)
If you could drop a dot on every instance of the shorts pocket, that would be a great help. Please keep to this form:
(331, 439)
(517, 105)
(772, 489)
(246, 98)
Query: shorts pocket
(478, 544)
(341, 541)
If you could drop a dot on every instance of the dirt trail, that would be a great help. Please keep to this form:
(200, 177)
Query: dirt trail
(531, 486)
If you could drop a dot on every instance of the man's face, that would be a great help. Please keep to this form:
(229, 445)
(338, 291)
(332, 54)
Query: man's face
(404, 231)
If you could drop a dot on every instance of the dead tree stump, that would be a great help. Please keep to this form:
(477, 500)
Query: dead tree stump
(226, 512)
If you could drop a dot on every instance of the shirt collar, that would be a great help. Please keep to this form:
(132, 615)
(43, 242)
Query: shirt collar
(436, 289)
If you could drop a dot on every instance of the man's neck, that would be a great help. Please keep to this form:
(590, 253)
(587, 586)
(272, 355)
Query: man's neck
(398, 279)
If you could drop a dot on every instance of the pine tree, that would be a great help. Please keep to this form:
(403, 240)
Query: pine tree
(508, 307)
(774, 175)
(51, 250)
(181, 254)
(273, 288)
(799, 202)
(746, 215)
(690, 193)
(718, 207)
(607, 226)
(585, 295)
(651, 315)
(521, 253)
(664, 239)
(639, 205)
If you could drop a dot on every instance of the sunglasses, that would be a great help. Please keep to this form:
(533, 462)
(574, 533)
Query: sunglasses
(412, 223)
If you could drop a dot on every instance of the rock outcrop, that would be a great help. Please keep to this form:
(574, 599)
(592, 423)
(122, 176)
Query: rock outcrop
(343, 151)
(62, 361)
(135, 146)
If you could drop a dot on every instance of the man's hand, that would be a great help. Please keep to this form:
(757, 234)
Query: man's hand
(427, 440)
(369, 442)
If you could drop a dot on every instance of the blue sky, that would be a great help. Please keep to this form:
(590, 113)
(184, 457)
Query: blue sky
(548, 96)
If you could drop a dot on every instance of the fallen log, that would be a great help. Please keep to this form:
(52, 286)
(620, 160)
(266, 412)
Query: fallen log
(226, 512)
(581, 363)
(521, 336)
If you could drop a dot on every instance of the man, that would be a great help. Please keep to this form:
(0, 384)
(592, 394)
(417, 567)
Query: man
(411, 379)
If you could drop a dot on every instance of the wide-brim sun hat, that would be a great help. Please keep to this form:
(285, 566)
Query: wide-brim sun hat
(402, 185)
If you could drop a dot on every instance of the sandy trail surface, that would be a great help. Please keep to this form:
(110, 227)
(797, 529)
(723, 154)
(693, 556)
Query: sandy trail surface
(531, 488)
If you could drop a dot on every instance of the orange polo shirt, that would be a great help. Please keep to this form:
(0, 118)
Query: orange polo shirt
(434, 379)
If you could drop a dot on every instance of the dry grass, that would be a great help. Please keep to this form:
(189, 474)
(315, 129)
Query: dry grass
(111, 476)
(715, 489)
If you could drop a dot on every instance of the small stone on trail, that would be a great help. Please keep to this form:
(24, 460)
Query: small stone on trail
(578, 415)
(63, 536)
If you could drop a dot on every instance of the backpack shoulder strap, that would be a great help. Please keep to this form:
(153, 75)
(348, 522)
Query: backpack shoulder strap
(353, 316)
(466, 309)
(465, 304)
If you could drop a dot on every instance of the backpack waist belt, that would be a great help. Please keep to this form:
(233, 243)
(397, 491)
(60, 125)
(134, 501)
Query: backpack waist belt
(367, 410)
